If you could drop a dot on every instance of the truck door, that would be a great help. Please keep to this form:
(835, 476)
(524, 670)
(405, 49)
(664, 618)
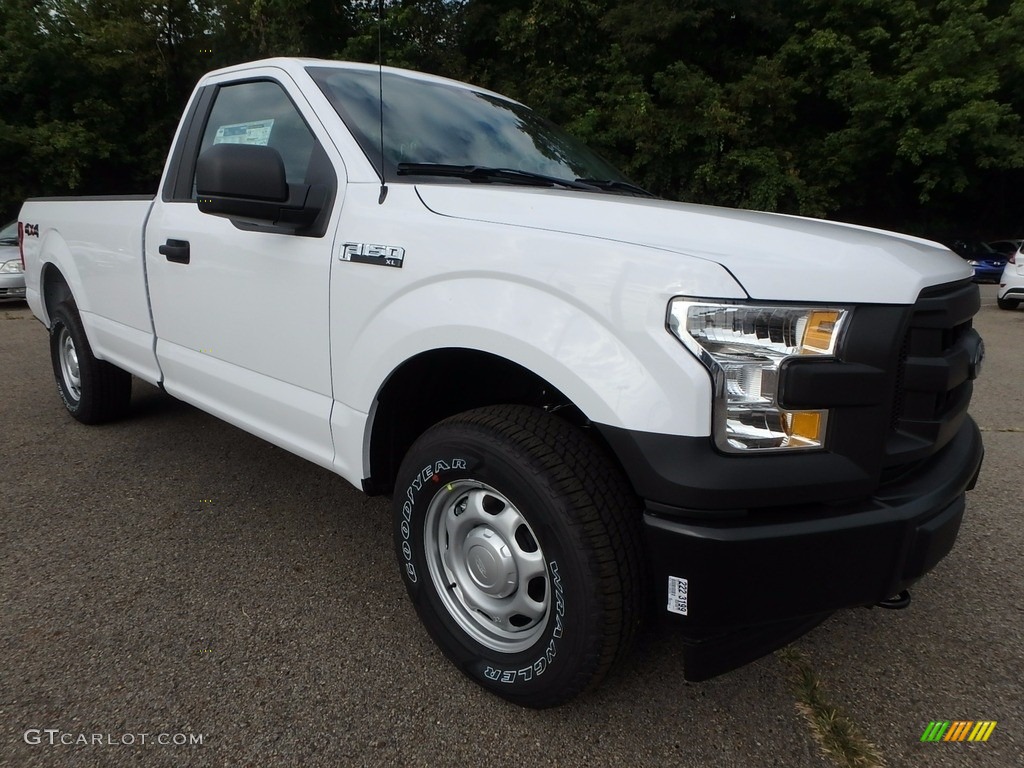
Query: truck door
(241, 313)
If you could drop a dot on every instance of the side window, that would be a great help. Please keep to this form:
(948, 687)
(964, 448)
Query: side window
(261, 113)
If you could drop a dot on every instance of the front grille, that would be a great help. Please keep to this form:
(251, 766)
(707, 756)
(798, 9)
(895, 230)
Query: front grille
(933, 384)
(897, 405)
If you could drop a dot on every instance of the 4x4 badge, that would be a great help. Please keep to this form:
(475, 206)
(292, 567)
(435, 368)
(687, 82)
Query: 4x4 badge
(368, 253)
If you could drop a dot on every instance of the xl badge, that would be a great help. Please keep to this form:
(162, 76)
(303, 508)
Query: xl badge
(368, 253)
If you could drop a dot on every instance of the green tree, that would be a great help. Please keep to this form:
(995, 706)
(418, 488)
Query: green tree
(901, 113)
(414, 34)
(90, 91)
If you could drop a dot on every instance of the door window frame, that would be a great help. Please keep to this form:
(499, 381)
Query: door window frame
(178, 187)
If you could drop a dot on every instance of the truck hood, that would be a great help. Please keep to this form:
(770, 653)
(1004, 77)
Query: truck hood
(773, 256)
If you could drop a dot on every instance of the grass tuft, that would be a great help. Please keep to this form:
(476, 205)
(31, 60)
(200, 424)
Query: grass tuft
(836, 734)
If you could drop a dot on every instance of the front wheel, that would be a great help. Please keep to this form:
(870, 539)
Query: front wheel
(1008, 303)
(92, 390)
(518, 539)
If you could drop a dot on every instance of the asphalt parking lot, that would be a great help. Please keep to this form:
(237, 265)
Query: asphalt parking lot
(170, 575)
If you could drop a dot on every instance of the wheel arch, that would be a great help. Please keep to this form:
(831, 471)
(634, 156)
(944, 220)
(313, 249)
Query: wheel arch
(59, 278)
(54, 289)
(433, 385)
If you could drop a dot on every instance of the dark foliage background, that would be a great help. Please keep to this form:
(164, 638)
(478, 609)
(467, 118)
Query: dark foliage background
(903, 114)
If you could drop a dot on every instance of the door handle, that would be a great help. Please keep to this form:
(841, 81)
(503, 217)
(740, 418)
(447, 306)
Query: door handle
(176, 251)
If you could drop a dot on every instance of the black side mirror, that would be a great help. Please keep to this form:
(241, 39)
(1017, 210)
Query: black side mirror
(247, 183)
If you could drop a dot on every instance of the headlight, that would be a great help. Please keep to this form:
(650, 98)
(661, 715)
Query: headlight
(973, 263)
(14, 265)
(743, 347)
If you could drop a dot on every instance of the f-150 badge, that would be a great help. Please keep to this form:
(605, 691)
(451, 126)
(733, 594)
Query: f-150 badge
(367, 253)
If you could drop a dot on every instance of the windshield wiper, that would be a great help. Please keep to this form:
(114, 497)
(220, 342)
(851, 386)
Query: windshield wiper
(617, 186)
(482, 173)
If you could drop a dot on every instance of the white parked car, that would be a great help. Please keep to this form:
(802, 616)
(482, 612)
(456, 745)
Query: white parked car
(1011, 284)
(12, 274)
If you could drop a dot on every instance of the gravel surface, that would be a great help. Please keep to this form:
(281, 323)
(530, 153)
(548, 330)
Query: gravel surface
(170, 574)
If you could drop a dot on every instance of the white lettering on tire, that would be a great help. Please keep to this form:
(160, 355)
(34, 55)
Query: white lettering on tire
(539, 667)
(429, 472)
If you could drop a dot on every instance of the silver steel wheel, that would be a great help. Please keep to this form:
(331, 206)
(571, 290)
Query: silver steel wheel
(69, 364)
(487, 565)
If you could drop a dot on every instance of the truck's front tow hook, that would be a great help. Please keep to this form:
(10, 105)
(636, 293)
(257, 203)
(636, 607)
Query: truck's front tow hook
(897, 602)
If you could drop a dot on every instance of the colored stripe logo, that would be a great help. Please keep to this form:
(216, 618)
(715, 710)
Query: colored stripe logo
(958, 730)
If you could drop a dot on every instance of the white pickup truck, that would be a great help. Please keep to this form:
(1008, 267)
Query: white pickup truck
(582, 400)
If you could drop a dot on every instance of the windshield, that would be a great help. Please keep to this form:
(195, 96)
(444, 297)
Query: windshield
(430, 122)
(9, 233)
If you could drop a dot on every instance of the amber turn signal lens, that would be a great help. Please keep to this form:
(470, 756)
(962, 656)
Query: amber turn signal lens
(804, 426)
(819, 335)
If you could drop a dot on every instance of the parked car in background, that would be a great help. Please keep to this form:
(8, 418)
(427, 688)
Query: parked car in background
(1011, 283)
(1005, 247)
(12, 275)
(987, 262)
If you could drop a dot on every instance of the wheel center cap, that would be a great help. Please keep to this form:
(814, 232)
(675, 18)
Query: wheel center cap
(490, 563)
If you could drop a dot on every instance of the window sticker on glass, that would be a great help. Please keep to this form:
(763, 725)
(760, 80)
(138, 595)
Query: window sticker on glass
(254, 132)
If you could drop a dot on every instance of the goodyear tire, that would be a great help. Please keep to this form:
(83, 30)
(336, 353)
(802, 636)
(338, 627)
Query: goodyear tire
(92, 390)
(518, 540)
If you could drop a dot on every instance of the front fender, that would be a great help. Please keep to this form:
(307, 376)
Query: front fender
(630, 375)
(585, 314)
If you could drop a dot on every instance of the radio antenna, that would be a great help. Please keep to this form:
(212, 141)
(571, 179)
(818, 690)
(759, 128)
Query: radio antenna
(380, 94)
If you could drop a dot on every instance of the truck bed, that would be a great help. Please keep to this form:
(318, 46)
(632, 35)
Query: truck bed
(99, 243)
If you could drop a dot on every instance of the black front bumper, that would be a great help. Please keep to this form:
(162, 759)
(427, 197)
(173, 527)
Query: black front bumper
(771, 565)
(756, 579)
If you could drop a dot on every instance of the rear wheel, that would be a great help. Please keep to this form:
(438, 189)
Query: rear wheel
(518, 539)
(1008, 303)
(92, 390)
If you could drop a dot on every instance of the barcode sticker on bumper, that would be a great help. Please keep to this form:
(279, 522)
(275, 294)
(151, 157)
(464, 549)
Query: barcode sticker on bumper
(677, 594)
